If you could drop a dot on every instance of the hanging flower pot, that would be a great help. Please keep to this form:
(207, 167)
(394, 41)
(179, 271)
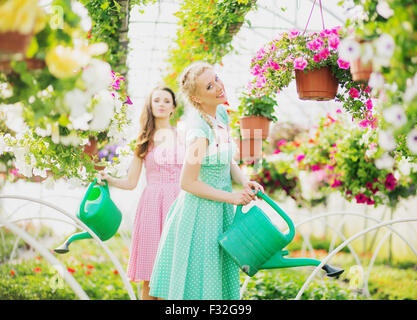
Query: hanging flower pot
(91, 150)
(318, 84)
(14, 42)
(360, 72)
(249, 149)
(234, 28)
(254, 127)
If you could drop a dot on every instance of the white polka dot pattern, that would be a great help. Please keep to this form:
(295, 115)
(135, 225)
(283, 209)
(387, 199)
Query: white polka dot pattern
(190, 264)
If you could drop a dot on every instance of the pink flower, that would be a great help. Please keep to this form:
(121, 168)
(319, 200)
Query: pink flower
(316, 58)
(300, 63)
(390, 182)
(335, 30)
(277, 151)
(324, 53)
(281, 142)
(336, 183)
(274, 65)
(374, 123)
(329, 167)
(128, 101)
(300, 157)
(334, 42)
(361, 198)
(369, 104)
(364, 123)
(260, 54)
(256, 70)
(325, 33)
(338, 111)
(343, 64)
(315, 167)
(315, 44)
(293, 33)
(260, 81)
(369, 201)
(354, 93)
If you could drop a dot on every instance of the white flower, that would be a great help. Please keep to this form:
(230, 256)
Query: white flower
(395, 115)
(367, 52)
(97, 76)
(44, 132)
(386, 140)
(404, 167)
(411, 90)
(74, 183)
(385, 46)
(376, 80)
(384, 9)
(81, 122)
(71, 139)
(385, 162)
(81, 11)
(77, 101)
(349, 50)
(103, 111)
(412, 141)
(40, 172)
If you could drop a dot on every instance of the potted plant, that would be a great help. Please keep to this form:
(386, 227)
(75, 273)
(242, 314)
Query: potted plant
(294, 55)
(257, 113)
(16, 35)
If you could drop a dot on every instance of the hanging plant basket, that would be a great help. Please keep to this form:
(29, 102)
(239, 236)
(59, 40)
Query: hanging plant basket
(32, 64)
(91, 150)
(249, 149)
(254, 127)
(14, 42)
(319, 84)
(360, 72)
(234, 28)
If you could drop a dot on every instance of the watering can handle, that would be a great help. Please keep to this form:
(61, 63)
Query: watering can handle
(90, 187)
(291, 233)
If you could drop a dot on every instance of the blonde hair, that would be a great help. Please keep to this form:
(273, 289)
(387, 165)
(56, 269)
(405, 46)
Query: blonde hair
(188, 88)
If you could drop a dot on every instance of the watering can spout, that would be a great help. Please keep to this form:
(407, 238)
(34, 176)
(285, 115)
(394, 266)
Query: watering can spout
(278, 261)
(64, 248)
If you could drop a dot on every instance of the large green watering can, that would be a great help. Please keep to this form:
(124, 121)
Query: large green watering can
(99, 213)
(254, 243)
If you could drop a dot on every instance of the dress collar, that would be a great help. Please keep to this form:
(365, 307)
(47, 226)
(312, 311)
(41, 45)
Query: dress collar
(217, 122)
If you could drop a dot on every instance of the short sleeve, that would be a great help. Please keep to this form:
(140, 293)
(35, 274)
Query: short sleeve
(194, 133)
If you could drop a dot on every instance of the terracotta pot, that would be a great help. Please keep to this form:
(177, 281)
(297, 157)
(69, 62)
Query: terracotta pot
(249, 149)
(91, 148)
(254, 127)
(318, 85)
(360, 71)
(14, 42)
(32, 64)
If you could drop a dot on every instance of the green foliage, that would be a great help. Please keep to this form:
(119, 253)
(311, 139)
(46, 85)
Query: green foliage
(206, 29)
(263, 106)
(284, 284)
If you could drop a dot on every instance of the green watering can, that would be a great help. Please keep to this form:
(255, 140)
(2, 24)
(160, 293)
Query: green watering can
(254, 243)
(99, 213)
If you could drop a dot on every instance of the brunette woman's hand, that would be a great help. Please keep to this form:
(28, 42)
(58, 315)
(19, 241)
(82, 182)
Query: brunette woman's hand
(103, 176)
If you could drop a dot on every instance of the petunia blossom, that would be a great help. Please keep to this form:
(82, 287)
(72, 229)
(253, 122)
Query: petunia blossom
(300, 63)
(343, 64)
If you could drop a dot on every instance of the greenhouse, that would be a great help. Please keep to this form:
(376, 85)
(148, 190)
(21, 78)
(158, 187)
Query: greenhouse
(208, 150)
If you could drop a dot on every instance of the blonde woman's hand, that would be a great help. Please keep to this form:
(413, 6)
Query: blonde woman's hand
(242, 197)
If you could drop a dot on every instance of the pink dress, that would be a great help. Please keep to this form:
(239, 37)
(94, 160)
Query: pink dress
(163, 168)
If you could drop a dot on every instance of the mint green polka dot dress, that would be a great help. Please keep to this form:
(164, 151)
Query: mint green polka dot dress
(190, 264)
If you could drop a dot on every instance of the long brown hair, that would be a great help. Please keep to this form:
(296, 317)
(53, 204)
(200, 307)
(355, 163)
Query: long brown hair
(147, 124)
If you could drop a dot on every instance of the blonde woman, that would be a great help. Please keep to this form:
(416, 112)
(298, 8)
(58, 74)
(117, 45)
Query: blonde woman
(190, 263)
(163, 162)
